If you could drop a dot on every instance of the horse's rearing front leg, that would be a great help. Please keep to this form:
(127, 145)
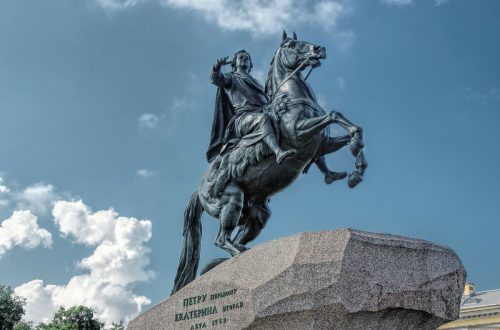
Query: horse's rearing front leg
(307, 128)
(356, 145)
(332, 144)
(339, 118)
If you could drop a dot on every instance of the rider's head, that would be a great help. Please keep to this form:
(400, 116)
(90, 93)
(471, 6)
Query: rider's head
(242, 61)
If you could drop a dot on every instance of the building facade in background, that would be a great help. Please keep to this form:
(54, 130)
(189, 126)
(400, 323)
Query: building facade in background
(478, 310)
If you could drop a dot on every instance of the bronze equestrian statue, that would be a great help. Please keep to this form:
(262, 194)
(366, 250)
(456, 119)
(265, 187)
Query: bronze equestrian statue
(261, 142)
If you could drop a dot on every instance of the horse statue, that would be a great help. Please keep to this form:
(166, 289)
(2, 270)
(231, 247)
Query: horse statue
(238, 183)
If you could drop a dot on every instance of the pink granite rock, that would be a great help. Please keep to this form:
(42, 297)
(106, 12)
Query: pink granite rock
(341, 279)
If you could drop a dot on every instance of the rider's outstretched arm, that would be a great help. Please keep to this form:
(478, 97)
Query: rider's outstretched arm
(217, 77)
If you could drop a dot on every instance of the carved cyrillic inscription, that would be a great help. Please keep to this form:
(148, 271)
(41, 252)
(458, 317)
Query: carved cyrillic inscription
(209, 309)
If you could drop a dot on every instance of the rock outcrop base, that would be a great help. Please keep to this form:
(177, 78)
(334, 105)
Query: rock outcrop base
(341, 279)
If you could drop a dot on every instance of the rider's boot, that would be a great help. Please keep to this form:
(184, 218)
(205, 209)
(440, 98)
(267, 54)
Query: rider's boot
(281, 154)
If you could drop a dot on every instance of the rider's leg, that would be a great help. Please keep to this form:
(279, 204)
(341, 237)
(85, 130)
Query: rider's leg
(330, 176)
(272, 141)
(232, 199)
(254, 219)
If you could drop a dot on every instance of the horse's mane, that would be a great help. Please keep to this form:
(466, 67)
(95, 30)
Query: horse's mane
(268, 88)
(270, 83)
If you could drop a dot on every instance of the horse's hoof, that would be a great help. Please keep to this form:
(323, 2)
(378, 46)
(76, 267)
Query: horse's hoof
(354, 179)
(240, 247)
(334, 176)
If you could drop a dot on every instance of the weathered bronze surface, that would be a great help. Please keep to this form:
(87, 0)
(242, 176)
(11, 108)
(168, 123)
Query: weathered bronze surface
(262, 140)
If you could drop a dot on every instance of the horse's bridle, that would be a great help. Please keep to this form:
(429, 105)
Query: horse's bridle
(291, 74)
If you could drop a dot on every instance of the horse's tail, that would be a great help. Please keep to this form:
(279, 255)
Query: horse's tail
(191, 244)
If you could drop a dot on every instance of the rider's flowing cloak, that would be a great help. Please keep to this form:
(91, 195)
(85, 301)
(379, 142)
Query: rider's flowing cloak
(223, 113)
(226, 121)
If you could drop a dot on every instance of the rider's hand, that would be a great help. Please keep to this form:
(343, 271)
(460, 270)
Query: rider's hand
(220, 62)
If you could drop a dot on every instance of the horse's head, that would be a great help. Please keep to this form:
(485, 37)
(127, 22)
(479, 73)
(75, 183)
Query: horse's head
(291, 57)
(294, 53)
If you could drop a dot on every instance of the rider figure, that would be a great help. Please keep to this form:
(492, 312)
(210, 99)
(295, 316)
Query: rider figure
(238, 117)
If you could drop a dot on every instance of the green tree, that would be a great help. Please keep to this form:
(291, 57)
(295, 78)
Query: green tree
(11, 308)
(23, 325)
(74, 318)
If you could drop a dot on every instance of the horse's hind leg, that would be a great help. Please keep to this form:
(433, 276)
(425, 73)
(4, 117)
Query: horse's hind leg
(230, 214)
(253, 220)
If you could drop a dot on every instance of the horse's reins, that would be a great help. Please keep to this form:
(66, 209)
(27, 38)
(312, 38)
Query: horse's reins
(290, 76)
(310, 70)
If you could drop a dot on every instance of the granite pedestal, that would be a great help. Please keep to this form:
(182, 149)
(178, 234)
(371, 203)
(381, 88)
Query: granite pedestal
(341, 279)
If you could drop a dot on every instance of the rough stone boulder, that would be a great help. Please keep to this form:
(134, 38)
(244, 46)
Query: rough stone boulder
(341, 279)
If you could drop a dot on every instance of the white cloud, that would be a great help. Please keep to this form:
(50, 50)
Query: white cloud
(402, 3)
(22, 229)
(263, 17)
(399, 3)
(258, 17)
(4, 190)
(76, 220)
(38, 198)
(168, 120)
(118, 261)
(37, 296)
(145, 173)
(148, 121)
(118, 4)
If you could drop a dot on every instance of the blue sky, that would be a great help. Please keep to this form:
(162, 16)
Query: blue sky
(105, 115)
